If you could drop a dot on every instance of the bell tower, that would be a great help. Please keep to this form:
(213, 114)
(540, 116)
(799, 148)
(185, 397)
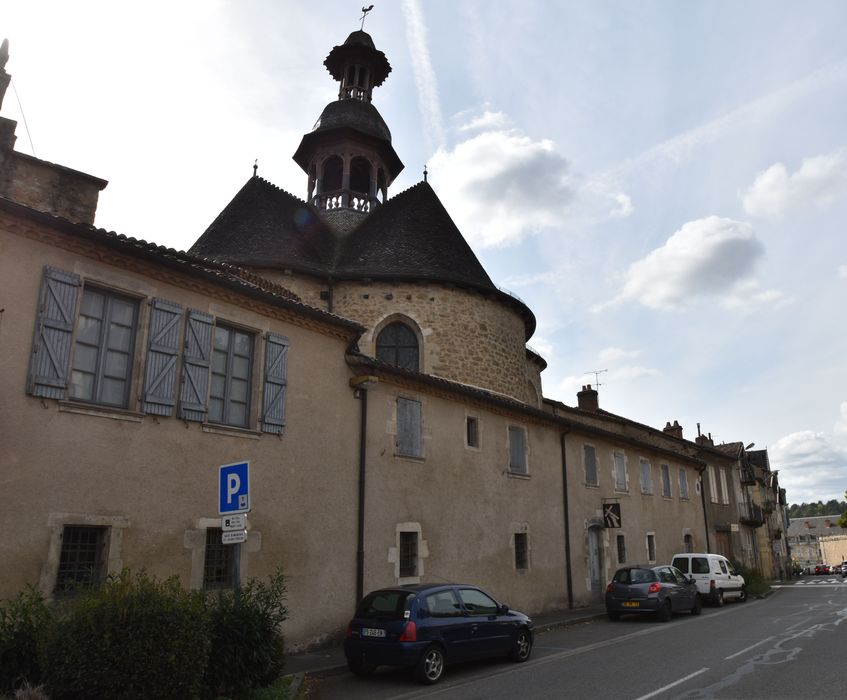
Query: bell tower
(347, 156)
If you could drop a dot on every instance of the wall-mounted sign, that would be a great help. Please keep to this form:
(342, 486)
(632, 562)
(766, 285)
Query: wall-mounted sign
(612, 514)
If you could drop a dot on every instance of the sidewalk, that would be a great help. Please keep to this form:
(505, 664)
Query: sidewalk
(331, 660)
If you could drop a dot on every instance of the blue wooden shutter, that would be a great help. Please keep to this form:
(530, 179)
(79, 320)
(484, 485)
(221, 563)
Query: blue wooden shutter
(408, 427)
(197, 350)
(51, 346)
(276, 372)
(517, 450)
(162, 349)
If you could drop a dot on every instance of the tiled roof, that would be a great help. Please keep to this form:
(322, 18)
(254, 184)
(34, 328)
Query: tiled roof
(816, 525)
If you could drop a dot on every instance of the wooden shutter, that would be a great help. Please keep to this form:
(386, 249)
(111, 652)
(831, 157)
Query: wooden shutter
(162, 350)
(276, 372)
(517, 453)
(196, 352)
(408, 427)
(51, 345)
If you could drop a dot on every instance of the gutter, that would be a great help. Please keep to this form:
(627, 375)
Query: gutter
(360, 386)
(568, 570)
(703, 501)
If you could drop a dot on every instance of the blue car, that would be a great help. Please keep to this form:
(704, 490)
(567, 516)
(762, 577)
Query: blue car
(425, 627)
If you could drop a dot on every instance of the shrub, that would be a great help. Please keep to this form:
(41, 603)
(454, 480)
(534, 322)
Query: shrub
(135, 637)
(247, 643)
(754, 582)
(23, 620)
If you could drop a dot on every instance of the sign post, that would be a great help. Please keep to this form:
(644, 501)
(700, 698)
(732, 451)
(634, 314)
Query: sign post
(233, 504)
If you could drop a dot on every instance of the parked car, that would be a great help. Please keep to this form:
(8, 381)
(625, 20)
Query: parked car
(821, 570)
(425, 627)
(659, 590)
(716, 578)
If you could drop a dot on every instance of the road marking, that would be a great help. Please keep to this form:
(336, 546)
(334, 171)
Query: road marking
(743, 651)
(672, 685)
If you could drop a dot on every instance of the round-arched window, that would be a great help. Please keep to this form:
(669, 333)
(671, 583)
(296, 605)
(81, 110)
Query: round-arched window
(398, 345)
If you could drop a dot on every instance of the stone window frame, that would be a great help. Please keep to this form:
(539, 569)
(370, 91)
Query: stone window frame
(411, 324)
(478, 432)
(113, 555)
(517, 530)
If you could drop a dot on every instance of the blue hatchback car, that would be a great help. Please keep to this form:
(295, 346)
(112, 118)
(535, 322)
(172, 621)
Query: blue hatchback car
(425, 627)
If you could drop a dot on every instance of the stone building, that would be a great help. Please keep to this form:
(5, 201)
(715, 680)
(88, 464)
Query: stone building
(352, 349)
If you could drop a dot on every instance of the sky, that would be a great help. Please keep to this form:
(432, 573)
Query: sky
(663, 183)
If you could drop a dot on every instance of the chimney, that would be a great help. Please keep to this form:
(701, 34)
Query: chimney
(704, 440)
(674, 430)
(587, 399)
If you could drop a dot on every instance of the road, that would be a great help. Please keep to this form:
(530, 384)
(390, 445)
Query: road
(789, 645)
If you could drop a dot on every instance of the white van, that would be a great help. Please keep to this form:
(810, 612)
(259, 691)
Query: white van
(716, 579)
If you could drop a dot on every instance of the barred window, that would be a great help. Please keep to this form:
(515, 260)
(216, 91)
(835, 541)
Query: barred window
(408, 554)
(651, 547)
(82, 559)
(219, 562)
(621, 542)
(472, 431)
(521, 551)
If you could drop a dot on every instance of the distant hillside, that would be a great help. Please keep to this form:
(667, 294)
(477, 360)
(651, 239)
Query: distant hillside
(805, 510)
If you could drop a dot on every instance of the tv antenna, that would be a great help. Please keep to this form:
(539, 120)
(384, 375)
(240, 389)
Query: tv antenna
(597, 373)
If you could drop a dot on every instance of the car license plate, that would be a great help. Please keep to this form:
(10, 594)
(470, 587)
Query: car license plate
(370, 632)
(630, 603)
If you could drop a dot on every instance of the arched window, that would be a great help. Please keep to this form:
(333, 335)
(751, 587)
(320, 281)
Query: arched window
(360, 175)
(398, 345)
(333, 170)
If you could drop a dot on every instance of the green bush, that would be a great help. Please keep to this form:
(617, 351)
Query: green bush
(134, 637)
(247, 643)
(754, 582)
(23, 620)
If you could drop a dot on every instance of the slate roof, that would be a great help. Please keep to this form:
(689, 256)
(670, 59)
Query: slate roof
(817, 526)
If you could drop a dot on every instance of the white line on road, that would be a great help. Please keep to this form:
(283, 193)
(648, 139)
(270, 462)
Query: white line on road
(752, 646)
(672, 685)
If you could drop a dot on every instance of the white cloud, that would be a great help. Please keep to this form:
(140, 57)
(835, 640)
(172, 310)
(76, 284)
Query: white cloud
(748, 297)
(842, 272)
(812, 466)
(425, 79)
(614, 354)
(486, 120)
(841, 423)
(705, 257)
(818, 182)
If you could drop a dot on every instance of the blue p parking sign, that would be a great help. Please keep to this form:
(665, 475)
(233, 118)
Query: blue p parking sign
(234, 488)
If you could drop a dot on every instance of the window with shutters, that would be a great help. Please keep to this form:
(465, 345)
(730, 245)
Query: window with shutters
(666, 481)
(620, 471)
(518, 450)
(229, 390)
(218, 561)
(82, 560)
(101, 368)
(398, 345)
(646, 477)
(683, 484)
(408, 442)
(724, 487)
(589, 458)
(713, 485)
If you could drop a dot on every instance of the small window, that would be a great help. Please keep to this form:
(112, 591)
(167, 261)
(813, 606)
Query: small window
(620, 471)
(471, 431)
(82, 559)
(590, 459)
(621, 542)
(408, 554)
(713, 485)
(232, 360)
(683, 483)
(651, 547)
(103, 348)
(397, 345)
(666, 481)
(517, 450)
(646, 477)
(688, 544)
(724, 488)
(521, 551)
(408, 443)
(219, 562)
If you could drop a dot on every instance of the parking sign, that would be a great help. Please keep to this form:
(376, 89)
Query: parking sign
(234, 488)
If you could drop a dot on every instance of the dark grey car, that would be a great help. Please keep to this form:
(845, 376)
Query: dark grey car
(659, 590)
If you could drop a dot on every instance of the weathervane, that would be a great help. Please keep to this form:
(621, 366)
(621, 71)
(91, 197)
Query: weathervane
(365, 11)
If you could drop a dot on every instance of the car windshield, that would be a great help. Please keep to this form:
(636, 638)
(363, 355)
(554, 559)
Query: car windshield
(634, 576)
(385, 605)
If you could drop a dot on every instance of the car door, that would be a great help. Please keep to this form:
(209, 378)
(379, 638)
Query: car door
(490, 631)
(447, 622)
(687, 589)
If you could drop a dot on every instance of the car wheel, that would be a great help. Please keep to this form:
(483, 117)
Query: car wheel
(743, 597)
(430, 668)
(614, 617)
(664, 613)
(522, 647)
(360, 668)
(698, 605)
(719, 599)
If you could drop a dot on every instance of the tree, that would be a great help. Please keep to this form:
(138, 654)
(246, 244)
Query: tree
(842, 522)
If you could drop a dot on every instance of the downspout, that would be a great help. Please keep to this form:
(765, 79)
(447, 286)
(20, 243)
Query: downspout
(568, 572)
(703, 501)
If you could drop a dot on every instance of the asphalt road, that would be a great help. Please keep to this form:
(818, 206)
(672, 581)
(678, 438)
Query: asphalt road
(790, 645)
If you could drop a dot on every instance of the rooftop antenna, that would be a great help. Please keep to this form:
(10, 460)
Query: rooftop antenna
(597, 373)
(365, 11)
